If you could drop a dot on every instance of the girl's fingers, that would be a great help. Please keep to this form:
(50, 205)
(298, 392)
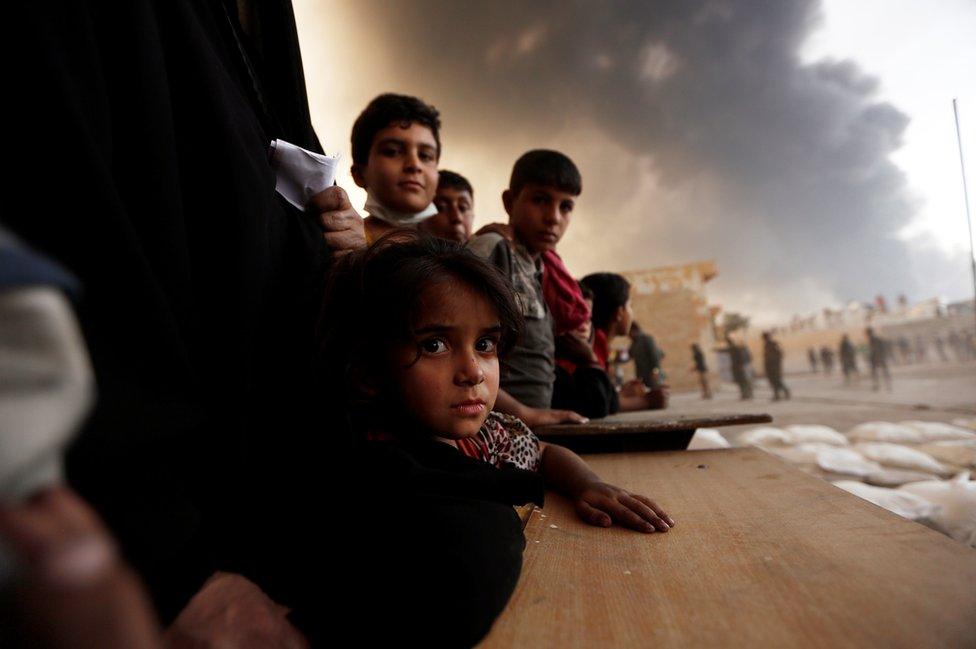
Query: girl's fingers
(657, 509)
(592, 515)
(644, 512)
(625, 516)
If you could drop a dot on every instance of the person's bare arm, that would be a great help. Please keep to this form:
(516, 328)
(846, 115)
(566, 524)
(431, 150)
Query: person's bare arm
(597, 502)
(534, 417)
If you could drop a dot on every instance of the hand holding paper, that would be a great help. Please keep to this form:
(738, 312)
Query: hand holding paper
(300, 174)
(305, 179)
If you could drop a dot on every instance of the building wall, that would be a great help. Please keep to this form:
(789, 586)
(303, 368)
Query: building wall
(671, 304)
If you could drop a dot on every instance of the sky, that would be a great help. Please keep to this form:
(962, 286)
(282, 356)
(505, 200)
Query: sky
(806, 146)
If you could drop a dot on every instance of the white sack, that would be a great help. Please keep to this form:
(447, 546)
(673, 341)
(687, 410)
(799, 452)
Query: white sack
(816, 433)
(902, 457)
(936, 431)
(846, 461)
(802, 453)
(906, 505)
(882, 431)
(765, 436)
(956, 500)
(707, 438)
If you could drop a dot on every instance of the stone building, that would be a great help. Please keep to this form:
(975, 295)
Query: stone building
(670, 303)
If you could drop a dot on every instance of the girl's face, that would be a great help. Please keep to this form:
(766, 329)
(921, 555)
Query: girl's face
(450, 389)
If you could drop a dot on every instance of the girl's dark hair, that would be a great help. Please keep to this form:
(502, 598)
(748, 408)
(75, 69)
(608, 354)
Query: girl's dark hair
(610, 292)
(372, 297)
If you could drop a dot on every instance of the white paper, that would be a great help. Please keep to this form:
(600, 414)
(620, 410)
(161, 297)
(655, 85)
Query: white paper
(300, 174)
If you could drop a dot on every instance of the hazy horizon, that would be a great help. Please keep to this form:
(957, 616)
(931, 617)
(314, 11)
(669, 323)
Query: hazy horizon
(813, 168)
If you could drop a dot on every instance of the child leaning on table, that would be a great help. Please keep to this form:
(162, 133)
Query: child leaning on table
(416, 347)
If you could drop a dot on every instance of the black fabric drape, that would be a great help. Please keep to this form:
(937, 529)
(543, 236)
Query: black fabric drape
(139, 133)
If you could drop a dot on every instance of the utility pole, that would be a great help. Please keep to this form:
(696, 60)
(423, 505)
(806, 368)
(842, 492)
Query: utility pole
(965, 193)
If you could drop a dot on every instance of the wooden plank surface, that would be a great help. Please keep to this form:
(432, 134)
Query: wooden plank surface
(762, 555)
(645, 421)
(646, 430)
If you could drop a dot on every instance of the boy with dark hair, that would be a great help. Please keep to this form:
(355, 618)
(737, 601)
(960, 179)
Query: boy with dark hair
(612, 316)
(539, 201)
(395, 149)
(454, 201)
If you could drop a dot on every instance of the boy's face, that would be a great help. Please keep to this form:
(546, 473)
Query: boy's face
(626, 319)
(450, 389)
(539, 215)
(455, 215)
(402, 168)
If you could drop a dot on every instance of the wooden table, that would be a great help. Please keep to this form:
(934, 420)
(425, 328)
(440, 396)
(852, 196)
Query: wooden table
(762, 555)
(645, 430)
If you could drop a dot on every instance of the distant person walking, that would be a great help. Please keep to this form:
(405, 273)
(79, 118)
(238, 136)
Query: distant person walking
(877, 354)
(647, 356)
(701, 369)
(773, 364)
(848, 360)
(812, 357)
(940, 348)
(956, 343)
(827, 360)
(740, 371)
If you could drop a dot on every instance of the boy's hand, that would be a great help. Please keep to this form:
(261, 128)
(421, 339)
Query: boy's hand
(342, 227)
(600, 504)
(657, 398)
(633, 388)
(534, 417)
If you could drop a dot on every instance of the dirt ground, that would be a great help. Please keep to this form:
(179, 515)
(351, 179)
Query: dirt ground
(928, 391)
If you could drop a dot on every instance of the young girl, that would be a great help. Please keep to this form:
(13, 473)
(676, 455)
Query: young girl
(423, 363)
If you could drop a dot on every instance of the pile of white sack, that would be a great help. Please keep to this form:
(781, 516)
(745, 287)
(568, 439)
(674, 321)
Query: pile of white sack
(917, 469)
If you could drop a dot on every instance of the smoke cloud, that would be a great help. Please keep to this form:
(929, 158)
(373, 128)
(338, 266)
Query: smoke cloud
(699, 131)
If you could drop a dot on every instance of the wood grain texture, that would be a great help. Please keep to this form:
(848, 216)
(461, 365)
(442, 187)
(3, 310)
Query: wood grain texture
(762, 555)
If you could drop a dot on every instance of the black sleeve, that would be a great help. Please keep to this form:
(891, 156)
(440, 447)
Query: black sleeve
(422, 546)
(588, 391)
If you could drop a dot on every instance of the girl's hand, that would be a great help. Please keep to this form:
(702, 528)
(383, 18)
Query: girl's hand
(600, 504)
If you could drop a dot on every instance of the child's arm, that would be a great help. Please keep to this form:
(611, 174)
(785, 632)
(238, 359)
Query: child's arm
(534, 417)
(597, 502)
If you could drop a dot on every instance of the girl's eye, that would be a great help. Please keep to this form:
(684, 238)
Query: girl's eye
(486, 345)
(433, 346)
